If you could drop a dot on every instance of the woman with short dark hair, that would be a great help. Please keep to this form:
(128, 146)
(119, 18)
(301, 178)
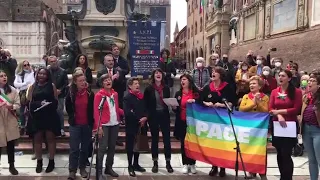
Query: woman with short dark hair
(136, 117)
(167, 66)
(159, 117)
(213, 95)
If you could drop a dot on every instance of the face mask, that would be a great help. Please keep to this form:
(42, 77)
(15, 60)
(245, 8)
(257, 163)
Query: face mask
(277, 64)
(244, 67)
(304, 83)
(266, 73)
(199, 64)
(217, 60)
(225, 59)
(26, 70)
(259, 62)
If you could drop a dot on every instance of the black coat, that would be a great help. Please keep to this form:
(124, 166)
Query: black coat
(168, 69)
(228, 92)
(88, 73)
(123, 64)
(150, 100)
(70, 108)
(117, 84)
(60, 80)
(134, 109)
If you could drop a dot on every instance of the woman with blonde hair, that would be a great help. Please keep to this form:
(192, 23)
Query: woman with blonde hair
(255, 101)
(79, 106)
(24, 78)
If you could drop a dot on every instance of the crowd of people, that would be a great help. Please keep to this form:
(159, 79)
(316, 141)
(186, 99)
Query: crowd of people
(256, 84)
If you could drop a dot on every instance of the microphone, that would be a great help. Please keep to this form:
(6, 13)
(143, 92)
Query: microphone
(224, 100)
(102, 102)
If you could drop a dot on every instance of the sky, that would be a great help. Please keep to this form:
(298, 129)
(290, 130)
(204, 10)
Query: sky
(178, 13)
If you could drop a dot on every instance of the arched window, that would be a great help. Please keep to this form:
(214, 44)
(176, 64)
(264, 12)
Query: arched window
(201, 24)
(191, 30)
(195, 28)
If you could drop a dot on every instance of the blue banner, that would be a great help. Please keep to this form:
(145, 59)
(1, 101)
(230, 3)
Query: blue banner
(144, 47)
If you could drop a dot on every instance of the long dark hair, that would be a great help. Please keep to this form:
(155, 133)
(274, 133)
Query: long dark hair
(85, 62)
(192, 86)
(291, 88)
(153, 74)
(316, 95)
(7, 89)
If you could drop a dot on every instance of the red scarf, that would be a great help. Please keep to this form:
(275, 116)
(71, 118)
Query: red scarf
(139, 95)
(159, 89)
(310, 98)
(189, 93)
(251, 96)
(217, 90)
(82, 92)
(108, 93)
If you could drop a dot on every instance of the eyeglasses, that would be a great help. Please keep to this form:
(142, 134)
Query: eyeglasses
(25, 65)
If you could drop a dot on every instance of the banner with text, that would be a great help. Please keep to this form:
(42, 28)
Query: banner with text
(210, 138)
(144, 47)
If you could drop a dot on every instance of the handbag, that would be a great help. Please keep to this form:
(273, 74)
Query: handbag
(141, 143)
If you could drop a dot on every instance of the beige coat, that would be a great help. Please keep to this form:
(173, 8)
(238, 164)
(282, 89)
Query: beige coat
(9, 129)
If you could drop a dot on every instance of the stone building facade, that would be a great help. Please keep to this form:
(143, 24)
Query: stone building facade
(196, 44)
(291, 26)
(180, 44)
(29, 29)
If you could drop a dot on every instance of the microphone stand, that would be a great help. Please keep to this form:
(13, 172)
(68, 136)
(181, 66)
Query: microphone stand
(237, 148)
(96, 144)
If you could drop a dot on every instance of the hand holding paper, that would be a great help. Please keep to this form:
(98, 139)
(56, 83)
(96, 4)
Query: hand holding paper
(44, 104)
(171, 102)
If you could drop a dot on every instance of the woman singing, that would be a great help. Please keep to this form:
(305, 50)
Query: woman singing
(311, 125)
(79, 106)
(82, 62)
(109, 125)
(136, 118)
(255, 101)
(159, 117)
(42, 96)
(9, 130)
(188, 93)
(213, 95)
(285, 106)
(24, 78)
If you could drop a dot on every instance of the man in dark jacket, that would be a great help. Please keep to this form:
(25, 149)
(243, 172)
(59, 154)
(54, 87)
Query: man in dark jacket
(225, 64)
(8, 65)
(120, 65)
(60, 80)
(167, 66)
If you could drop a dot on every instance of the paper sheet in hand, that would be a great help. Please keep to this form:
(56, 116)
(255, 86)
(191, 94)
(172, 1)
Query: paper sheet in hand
(171, 102)
(39, 108)
(289, 131)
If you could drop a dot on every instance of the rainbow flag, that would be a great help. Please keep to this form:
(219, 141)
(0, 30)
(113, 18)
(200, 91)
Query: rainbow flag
(210, 137)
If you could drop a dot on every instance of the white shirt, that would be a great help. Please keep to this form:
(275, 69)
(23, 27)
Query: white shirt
(28, 80)
(113, 113)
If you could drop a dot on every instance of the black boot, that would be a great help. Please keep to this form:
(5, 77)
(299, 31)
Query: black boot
(39, 166)
(169, 167)
(12, 169)
(131, 171)
(50, 166)
(214, 171)
(155, 167)
(222, 172)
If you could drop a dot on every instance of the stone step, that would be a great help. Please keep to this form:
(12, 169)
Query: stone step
(63, 147)
(121, 137)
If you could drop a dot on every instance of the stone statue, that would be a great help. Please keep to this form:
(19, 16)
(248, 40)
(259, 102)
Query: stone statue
(106, 6)
(218, 4)
(129, 7)
(71, 50)
(233, 25)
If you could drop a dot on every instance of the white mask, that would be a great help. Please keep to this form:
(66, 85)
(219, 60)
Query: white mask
(277, 64)
(259, 62)
(217, 60)
(244, 67)
(199, 64)
(266, 73)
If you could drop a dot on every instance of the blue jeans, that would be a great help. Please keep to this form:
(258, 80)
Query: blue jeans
(79, 135)
(60, 111)
(311, 141)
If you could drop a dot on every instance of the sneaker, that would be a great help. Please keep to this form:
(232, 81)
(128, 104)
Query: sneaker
(185, 169)
(193, 169)
(63, 133)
